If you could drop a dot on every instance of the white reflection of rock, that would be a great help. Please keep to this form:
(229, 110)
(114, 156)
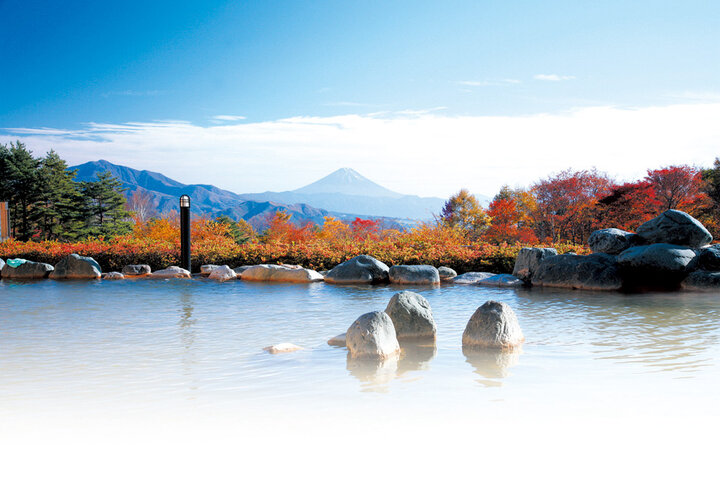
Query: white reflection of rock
(492, 363)
(374, 374)
(416, 355)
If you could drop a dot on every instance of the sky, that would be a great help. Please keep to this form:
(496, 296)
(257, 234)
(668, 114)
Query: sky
(423, 97)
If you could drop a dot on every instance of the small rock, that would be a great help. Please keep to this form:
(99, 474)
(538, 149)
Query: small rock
(612, 241)
(206, 270)
(493, 325)
(337, 341)
(222, 273)
(136, 270)
(113, 276)
(502, 280)
(414, 274)
(171, 272)
(528, 260)
(76, 267)
(280, 273)
(282, 348)
(471, 278)
(411, 316)
(372, 335)
(675, 227)
(446, 274)
(27, 270)
(360, 269)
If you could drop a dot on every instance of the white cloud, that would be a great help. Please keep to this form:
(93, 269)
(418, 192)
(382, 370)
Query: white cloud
(427, 153)
(489, 83)
(553, 77)
(227, 118)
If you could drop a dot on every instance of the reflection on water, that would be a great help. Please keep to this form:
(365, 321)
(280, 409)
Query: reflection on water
(491, 364)
(416, 355)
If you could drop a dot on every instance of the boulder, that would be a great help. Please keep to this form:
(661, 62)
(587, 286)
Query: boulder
(414, 274)
(76, 267)
(280, 273)
(702, 280)
(222, 273)
(282, 348)
(446, 274)
(612, 241)
(372, 335)
(206, 270)
(27, 270)
(660, 264)
(493, 325)
(239, 270)
(676, 228)
(360, 269)
(502, 280)
(171, 272)
(598, 271)
(470, 278)
(707, 258)
(136, 270)
(337, 341)
(411, 316)
(113, 276)
(528, 260)
(2, 264)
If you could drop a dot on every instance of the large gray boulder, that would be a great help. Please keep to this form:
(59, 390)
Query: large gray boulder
(136, 270)
(76, 267)
(360, 269)
(611, 241)
(659, 264)
(446, 274)
(493, 325)
(171, 272)
(675, 227)
(2, 264)
(280, 273)
(372, 335)
(414, 274)
(597, 271)
(222, 273)
(702, 280)
(27, 271)
(707, 258)
(528, 260)
(502, 280)
(411, 315)
(471, 278)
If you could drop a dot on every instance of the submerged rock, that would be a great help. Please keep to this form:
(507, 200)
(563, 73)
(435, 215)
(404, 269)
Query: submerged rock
(446, 274)
(528, 260)
(113, 276)
(372, 335)
(702, 280)
(660, 264)
(493, 325)
(136, 270)
(76, 267)
(675, 227)
(171, 272)
(598, 271)
(337, 341)
(414, 274)
(470, 278)
(502, 280)
(27, 270)
(222, 273)
(411, 316)
(280, 273)
(282, 348)
(360, 269)
(612, 241)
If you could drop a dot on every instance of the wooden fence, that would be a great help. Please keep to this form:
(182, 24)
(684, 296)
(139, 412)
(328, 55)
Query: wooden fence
(4, 221)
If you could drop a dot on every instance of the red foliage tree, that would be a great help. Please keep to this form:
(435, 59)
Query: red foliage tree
(627, 206)
(676, 186)
(506, 223)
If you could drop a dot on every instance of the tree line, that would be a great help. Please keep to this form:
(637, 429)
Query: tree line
(47, 203)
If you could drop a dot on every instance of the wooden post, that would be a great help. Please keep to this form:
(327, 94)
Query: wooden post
(4, 221)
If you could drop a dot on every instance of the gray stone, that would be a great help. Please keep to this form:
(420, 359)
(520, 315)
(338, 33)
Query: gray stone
(136, 270)
(338, 341)
(2, 264)
(598, 271)
(411, 316)
(675, 227)
(611, 241)
(239, 270)
(528, 260)
(280, 273)
(471, 278)
(171, 272)
(657, 264)
(502, 280)
(28, 270)
(702, 280)
(414, 274)
(493, 325)
(113, 276)
(708, 258)
(446, 274)
(360, 269)
(206, 270)
(76, 267)
(222, 273)
(282, 348)
(372, 335)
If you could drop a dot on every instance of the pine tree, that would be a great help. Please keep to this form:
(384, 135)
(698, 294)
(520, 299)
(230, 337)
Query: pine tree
(104, 207)
(54, 212)
(23, 187)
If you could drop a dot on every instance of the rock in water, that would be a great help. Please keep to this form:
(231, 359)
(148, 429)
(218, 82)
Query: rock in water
(171, 272)
(222, 273)
(446, 274)
(414, 274)
(280, 273)
(411, 316)
(338, 341)
(598, 271)
(2, 264)
(113, 276)
(675, 227)
(702, 280)
(136, 270)
(471, 278)
(528, 260)
(76, 267)
(241, 269)
(659, 264)
(27, 270)
(502, 280)
(493, 325)
(206, 270)
(611, 241)
(360, 269)
(372, 335)
(708, 258)
(282, 348)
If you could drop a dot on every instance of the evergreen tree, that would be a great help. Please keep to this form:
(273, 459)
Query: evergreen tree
(55, 210)
(23, 187)
(104, 207)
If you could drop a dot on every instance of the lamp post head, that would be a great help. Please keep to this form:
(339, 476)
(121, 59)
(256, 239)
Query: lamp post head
(185, 201)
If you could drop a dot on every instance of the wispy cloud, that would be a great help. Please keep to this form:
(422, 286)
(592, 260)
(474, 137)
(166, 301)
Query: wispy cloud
(552, 77)
(699, 96)
(227, 118)
(426, 153)
(489, 83)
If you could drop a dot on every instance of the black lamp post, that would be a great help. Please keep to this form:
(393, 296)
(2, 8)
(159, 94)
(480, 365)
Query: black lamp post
(185, 233)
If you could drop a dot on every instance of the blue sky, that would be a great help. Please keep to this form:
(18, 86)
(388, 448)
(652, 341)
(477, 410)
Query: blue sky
(68, 65)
